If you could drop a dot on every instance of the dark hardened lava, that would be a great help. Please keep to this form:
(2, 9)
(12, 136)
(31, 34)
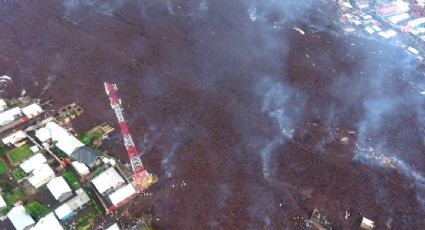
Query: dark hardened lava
(189, 80)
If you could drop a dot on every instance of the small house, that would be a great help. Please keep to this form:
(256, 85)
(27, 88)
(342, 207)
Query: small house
(20, 219)
(59, 189)
(87, 155)
(41, 176)
(107, 181)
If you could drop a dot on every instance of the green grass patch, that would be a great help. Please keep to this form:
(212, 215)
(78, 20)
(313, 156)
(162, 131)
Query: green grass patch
(72, 180)
(37, 210)
(18, 174)
(20, 154)
(3, 167)
(88, 139)
(11, 197)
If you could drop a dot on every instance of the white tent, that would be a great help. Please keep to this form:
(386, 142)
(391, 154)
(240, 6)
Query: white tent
(20, 218)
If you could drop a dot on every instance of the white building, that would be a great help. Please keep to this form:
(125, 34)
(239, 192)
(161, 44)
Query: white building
(49, 222)
(81, 168)
(107, 180)
(9, 115)
(32, 110)
(122, 194)
(64, 140)
(14, 138)
(41, 176)
(2, 202)
(20, 219)
(59, 189)
(33, 162)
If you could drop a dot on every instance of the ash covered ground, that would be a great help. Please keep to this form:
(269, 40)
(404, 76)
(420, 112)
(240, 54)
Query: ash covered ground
(249, 123)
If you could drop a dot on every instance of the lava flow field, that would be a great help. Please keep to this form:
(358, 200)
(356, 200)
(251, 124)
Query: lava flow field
(249, 123)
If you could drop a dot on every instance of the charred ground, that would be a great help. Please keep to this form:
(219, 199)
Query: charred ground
(208, 87)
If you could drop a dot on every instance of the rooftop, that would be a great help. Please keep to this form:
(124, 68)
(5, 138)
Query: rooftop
(109, 179)
(65, 141)
(41, 176)
(14, 137)
(33, 162)
(20, 218)
(32, 110)
(122, 194)
(9, 115)
(86, 155)
(58, 186)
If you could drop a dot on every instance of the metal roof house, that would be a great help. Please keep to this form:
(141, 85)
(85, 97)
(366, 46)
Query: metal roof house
(81, 169)
(33, 162)
(9, 115)
(14, 138)
(54, 132)
(121, 196)
(49, 222)
(20, 219)
(59, 189)
(86, 155)
(41, 175)
(32, 110)
(107, 181)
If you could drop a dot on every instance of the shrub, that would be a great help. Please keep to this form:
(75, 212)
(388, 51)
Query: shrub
(19, 174)
(13, 196)
(72, 180)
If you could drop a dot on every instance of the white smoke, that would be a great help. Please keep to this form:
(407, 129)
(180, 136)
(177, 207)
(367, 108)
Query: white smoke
(49, 82)
(4, 81)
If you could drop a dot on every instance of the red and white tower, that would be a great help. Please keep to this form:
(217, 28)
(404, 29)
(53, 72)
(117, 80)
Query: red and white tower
(142, 178)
